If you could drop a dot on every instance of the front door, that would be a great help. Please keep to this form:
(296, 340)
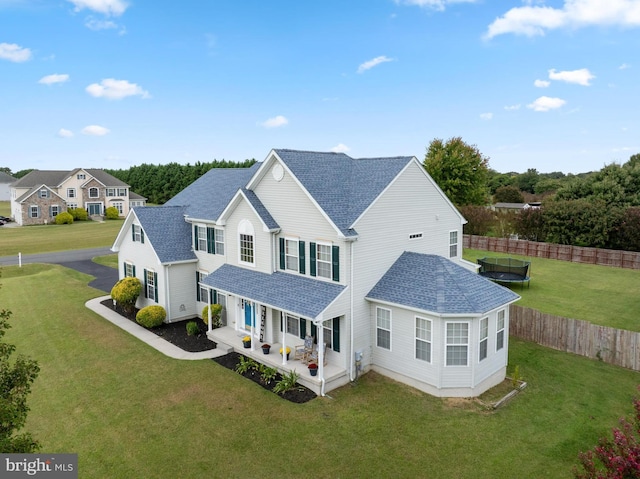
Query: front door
(248, 315)
(94, 209)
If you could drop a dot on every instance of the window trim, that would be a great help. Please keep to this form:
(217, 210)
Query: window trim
(380, 328)
(219, 244)
(447, 344)
(43, 193)
(429, 341)
(246, 243)
(203, 291)
(34, 209)
(96, 189)
(329, 264)
(71, 192)
(453, 235)
(129, 269)
(292, 244)
(202, 238)
(500, 337)
(483, 337)
(295, 320)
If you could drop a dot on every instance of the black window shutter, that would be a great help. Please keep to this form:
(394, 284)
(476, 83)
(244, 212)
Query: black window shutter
(314, 331)
(312, 259)
(155, 286)
(195, 237)
(198, 286)
(214, 296)
(282, 263)
(303, 328)
(125, 269)
(133, 232)
(141, 235)
(133, 270)
(211, 242)
(301, 256)
(335, 258)
(146, 295)
(336, 335)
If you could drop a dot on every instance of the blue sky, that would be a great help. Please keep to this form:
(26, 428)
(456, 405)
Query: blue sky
(551, 85)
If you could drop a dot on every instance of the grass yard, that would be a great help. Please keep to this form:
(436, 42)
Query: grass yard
(598, 294)
(5, 208)
(48, 238)
(128, 411)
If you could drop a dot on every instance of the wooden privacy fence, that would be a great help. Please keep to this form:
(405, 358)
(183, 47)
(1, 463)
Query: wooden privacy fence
(577, 254)
(614, 346)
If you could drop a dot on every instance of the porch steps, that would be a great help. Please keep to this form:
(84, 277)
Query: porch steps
(222, 347)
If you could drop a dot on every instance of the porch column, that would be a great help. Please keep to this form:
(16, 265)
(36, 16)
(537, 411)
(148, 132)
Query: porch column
(209, 309)
(253, 325)
(283, 319)
(321, 350)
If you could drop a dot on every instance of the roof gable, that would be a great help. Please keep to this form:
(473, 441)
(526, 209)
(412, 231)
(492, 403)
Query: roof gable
(341, 186)
(435, 284)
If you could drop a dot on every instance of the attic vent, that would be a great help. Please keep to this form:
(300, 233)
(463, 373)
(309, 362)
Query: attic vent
(415, 236)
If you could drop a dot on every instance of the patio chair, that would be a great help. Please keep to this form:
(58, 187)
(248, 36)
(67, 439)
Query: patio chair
(302, 351)
(313, 356)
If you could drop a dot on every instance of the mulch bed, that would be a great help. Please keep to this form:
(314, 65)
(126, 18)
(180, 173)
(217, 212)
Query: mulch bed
(176, 334)
(300, 394)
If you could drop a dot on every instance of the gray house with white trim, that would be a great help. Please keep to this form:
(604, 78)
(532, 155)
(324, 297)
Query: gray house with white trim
(364, 255)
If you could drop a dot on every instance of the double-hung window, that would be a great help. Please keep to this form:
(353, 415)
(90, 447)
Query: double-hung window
(34, 212)
(55, 210)
(323, 260)
(293, 325)
(44, 193)
(423, 339)
(111, 192)
(246, 243)
(138, 235)
(500, 331)
(122, 192)
(219, 240)
(71, 192)
(383, 328)
(291, 254)
(202, 238)
(483, 347)
(453, 244)
(457, 344)
(129, 270)
(202, 291)
(151, 286)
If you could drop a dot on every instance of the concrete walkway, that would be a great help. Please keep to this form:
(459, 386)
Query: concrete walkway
(153, 340)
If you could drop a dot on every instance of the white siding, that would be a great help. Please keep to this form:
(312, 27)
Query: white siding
(263, 252)
(181, 290)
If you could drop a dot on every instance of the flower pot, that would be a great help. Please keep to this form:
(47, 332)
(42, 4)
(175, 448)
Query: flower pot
(246, 344)
(266, 350)
(313, 372)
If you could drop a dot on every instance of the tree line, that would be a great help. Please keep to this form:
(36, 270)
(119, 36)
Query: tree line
(595, 209)
(160, 183)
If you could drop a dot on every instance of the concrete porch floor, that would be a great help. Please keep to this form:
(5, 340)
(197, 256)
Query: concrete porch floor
(228, 339)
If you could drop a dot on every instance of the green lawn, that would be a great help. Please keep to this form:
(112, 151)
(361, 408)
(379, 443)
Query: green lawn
(598, 294)
(128, 411)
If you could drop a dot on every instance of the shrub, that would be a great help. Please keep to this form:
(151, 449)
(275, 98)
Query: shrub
(126, 292)
(192, 328)
(79, 214)
(64, 218)
(287, 383)
(112, 213)
(267, 374)
(246, 364)
(151, 316)
(216, 320)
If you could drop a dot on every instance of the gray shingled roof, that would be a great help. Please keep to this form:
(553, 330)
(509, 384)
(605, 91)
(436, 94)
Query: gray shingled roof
(299, 295)
(210, 194)
(6, 178)
(165, 228)
(53, 178)
(343, 186)
(260, 209)
(435, 284)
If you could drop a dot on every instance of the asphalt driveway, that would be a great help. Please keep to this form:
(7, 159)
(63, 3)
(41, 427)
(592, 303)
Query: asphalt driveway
(80, 260)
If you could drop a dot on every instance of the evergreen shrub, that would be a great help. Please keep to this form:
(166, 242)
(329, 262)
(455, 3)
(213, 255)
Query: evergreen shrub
(151, 316)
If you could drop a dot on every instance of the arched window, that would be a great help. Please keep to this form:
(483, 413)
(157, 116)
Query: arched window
(246, 242)
(93, 192)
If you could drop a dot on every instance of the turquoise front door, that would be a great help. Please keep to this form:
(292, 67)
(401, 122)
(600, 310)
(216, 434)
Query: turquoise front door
(94, 209)
(248, 315)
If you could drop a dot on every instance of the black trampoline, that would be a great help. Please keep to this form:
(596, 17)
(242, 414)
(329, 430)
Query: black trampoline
(505, 270)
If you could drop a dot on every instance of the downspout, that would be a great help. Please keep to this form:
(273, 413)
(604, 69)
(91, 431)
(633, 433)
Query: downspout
(209, 319)
(320, 327)
(166, 292)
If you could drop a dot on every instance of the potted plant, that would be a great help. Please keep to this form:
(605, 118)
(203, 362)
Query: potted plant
(266, 348)
(313, 369)
(288, 351)
(246, 342)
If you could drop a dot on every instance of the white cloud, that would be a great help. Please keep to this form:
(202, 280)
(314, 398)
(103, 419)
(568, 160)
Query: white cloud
(579, 77)
(116, 89)
(106, 7)
(95, 130)
(536, 20)
(340, 148)
(275, 122)
(545, 103)
(14, 53)
(55, 78)
(96, 25)
(624, 66)
(541, 83)
(486, 116)
(372, 63)
(512, 107)
(435, 4)
(62, 133)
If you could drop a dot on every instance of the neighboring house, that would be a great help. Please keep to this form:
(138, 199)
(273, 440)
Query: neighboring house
(365, 255)
(5, 186)
(40, 195)
(515, 207)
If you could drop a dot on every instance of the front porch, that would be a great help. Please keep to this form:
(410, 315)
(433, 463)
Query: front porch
(228, 339)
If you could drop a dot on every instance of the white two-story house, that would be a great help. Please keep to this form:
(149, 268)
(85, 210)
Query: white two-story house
(364, 255)
(39, 196)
